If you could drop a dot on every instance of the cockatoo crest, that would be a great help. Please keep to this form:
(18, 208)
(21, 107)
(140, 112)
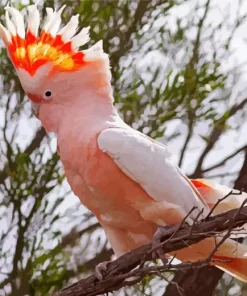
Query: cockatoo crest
(29, 50)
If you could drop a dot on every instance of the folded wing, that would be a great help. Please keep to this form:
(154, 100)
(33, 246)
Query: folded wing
(148, 163)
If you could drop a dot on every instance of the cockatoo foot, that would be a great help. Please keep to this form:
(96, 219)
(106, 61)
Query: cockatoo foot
(160, 233)
(101, 269)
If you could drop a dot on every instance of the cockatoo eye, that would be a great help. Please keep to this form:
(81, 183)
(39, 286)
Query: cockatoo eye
(48, 94)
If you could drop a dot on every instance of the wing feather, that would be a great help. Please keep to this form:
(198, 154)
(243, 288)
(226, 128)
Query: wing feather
(149, 163)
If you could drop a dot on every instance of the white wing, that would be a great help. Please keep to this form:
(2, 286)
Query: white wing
(148, 163)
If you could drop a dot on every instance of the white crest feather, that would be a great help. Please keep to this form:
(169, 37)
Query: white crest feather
(4, 34)
(96, 47)
(95, 52)
(55, 22)
(33, 20)
(18, 21)
(81, 38)
(68, 31)
(50, 13)
(10, 26)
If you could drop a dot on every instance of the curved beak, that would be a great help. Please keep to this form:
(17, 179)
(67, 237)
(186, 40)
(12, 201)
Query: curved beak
(35, 109)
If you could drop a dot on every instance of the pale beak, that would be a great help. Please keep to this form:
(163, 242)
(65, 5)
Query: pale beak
(35, 109)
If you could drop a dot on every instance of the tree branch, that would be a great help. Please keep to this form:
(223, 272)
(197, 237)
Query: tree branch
(74, 234)
(177, 237)
(222, 162)
(215, 135)
(241, 181)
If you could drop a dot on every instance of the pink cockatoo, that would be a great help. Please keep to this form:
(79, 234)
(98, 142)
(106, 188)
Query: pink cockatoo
(125, 178)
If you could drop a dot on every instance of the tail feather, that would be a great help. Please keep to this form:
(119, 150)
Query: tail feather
(211, 192)
(233, 253)
(236, 267)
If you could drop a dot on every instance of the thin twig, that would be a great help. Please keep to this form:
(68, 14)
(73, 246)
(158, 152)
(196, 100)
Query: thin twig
(220, 200)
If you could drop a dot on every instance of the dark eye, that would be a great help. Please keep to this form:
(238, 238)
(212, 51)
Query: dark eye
(48, 94)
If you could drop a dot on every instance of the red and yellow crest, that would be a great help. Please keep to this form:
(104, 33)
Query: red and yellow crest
(29, 50)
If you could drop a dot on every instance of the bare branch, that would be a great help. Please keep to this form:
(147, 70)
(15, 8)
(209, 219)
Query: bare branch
(73, 235)
(119, 271)
(222, 162)
(241, 181)
(214, 137)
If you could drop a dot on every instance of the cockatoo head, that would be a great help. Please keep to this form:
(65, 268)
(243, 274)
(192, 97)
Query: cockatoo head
(53, 72)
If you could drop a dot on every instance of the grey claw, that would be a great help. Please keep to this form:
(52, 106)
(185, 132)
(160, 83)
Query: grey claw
(100, 269)
(156, 244)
